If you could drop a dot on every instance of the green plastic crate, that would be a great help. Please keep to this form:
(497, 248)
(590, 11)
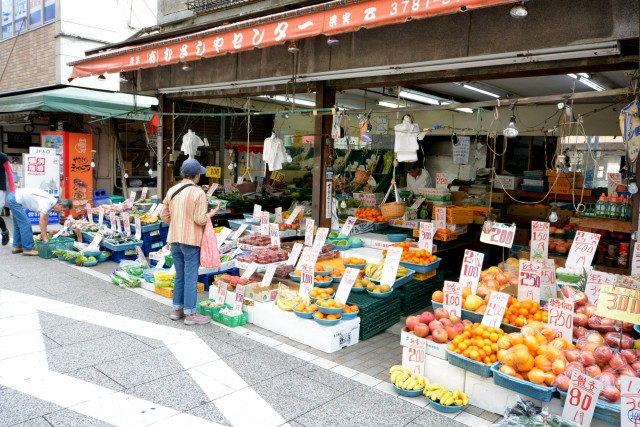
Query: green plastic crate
(376, 315)
(204, 310)
(45, 250)
(416, 295)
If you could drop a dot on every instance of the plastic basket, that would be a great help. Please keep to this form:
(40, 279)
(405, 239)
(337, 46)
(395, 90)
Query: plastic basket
(393, 210)
(205, 310)
(119, 248)
(421, 268)
(527, 388)
(233, 321)
(446, 409)
(45, 250)
(129, 255)
(467, 364)
(376, 315)
(607, 412)
(416, 295)
(146, 228)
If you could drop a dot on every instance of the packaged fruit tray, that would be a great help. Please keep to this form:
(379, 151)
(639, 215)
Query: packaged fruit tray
(477, 318)
(421, 268)
(607, 412)
(527, 388)
(467, 364)
(399, 282)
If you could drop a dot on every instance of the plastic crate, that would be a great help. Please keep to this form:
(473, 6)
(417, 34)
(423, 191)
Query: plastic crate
(206, 311)
(45, 250)
(120, 248)
(421, 268)
(607, 412)
(399, 282)
(416, 295)
(376, 315)
(129, 254)
(146, 228)
(527, 388)
(233, 321)
(152, 246)
(116, 199)
(467, 364)
(210, 278)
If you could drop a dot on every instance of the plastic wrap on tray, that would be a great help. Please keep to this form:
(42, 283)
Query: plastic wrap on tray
(255, 240)
(265, 256)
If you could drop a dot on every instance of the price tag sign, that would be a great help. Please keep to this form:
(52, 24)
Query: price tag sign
(306, 280)
(220, 294)
(425, 241)
(112, 219)
(138, 229)
(228, 188)
(613, 180)
(277, 176)
(348, 225)
(453, 298)
(274, 233)
(583, 249)
(500, 235)
(627, 282)
(308, 231)
(118, 225)
(250, 270)
(237, 304)
(595, 279)
(268, 276)
(278, 215)
(561, 317)
(158, 210)
(442, 181)
(539, 240)
(471, 267)
(619, 303)
(413, 359)
(264, 222)
(224, 234)
(529, 281)
(153, 207)
(635, 260)
(346, 283)
(391, 266)
(309, 257)
(548, 287)
(127, 223)
(629, 401)
(257, 210)
(240, 180)
(259, 186)
(440, 222)
(62, 230)
(321, 237)
(496, 307)
(160, 262)
(213, 172)
(100, 218)
(295, 253)
(95, 243)
(581, 398)
(145, 190)
(141, 256)
(132, 197)
(89, 213)
(416, 204)
(212, 189)
(294, 215)
(239, 231)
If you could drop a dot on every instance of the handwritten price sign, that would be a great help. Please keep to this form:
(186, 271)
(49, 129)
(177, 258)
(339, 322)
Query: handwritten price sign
(268, 276)
(629, 401)
(595, 280)
(306, 281)
(453, 298)
(308, 231)
(250, 270)
(548, 287)
(127, 223)
(440, 221)
(539, 239)
(496, 307)
(635, 259)
(529, 281)
(221, 293)
(581, 398)
(274, 233)
(264, 222)
(278, 215)
(295, 214)
(346, 283)
(321, 237)
(348, 225)
(391, 266)
(224, 234)
(619, 303)
(471, 267)
(212, 189)
(295, 253)
(426, 236)
(413, 359)
(257, 210)
(237, 304)
(442, 181)
(561, 317)
(500, 235)
(239, 231)
(583, 249)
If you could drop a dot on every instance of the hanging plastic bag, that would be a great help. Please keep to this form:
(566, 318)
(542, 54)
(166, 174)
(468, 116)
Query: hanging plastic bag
(630, 127)
(209, 252)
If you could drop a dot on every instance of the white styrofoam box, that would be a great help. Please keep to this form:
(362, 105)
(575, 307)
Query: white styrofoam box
(325, 338)
(437, 350)
(484, 394)
(508, 182)
(430, 347)
(440, 371)
(268, 316)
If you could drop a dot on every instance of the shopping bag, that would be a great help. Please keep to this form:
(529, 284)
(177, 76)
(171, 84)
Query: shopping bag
(209, 252)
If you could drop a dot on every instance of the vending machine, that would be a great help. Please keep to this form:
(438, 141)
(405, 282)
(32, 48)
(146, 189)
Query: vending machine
(76, 173)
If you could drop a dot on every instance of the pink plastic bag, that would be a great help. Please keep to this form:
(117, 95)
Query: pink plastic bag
(209, 252)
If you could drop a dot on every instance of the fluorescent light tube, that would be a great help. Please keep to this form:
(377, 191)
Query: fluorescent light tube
(465, 110)
(585, 80)
(486, 92)
(389, 104)
(288, 100)
(420, 97)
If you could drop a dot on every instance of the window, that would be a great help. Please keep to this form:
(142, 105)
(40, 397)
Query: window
(19, 16)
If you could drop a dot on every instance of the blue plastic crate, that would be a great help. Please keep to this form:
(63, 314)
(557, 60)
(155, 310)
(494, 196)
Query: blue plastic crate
(527, 388)
(123, 255)
(120, 248)
(209, 278)
(467, 364)
(146, 228)
(607, 412)
(421, 268)
(401, 281)
(152, 246)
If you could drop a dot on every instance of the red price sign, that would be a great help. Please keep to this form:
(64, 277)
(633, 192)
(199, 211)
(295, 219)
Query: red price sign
(529, 283)
(257, 210)
(548, 287)
(348, 225)
(278, 215)
(413, 359)
(425, 241)
(496, 307)
(221, 293)
(306, 281)
(442, 181)
(539, 239)
(308, 232)
(581, 398)
(500, 235)
(453, 298)
(561, 317)
(595, 280)
(635, 259)
(237, 304)
(274, 233)
(619, 303)
(629, 401)
(471, 267)
(112, 219)
(583, 249)
(441, 218)
(127, 223)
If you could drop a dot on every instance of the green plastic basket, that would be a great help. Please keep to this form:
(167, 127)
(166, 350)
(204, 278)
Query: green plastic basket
(416, 295)
(233, 321)
(376, 315)
(45, 250)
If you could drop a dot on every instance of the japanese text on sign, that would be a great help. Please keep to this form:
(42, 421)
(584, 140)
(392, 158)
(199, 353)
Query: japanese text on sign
(321, 237)
(500, 235)
(442, 181)
(278, 215)
(496, 307)
(295, 214)
(346, 283)
(471, 266)
(250, 270)
(595, 280)
(257, 210)
(308, 232)
(268, 275)
(306, 281)
(391, 266)
(348, 225)
(127, 223)
(529, 281)
(635, 260)
(561, 317)
(629, 401)
(441, 218)
(583, 249)
(581, 398)
(413, 359)
(452, 298)
(221, 293)
(416, 204)
(425, 240)
(264, 222)
(274, 233)
(539, 239)
(295, 253)
(548, 287)
(619, 303)
(138, 228)
(237, 304)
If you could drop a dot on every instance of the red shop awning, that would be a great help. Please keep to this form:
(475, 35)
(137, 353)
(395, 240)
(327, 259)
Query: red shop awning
(336, 17)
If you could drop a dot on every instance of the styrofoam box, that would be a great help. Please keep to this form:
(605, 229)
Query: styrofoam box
(507, 181)
(268, 316)
(440, 371)
(325, 338)
(484, 394)
(431, 348)
(224, 266)
(147, 285)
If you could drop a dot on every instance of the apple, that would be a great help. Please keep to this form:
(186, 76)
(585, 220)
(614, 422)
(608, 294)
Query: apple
(441, 313)
(435, 325)
(411, 322)
(451, 331)
(421, 330)
(440, 336)
(427, 317)
(445, 321)
(466, 322)
(459, 327)
(455, 319)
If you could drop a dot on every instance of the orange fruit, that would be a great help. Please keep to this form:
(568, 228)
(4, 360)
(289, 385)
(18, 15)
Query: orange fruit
(438, 296)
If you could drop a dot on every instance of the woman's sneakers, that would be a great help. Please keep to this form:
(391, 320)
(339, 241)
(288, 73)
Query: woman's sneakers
(196, 319)
(5, 238)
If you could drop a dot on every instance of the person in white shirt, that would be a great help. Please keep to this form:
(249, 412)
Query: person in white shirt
(418, 178)
(38, 201)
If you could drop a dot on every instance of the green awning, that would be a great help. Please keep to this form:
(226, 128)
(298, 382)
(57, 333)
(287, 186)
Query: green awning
(81, 101)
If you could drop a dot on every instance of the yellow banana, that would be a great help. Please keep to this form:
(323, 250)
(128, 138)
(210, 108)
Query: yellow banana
(396, 368)
(458, 402)
(395, 376)
(406, 383)
(456, 393)
(465, 398)
(434, 386)
(445, 396)
(448, 401)
(418, 386)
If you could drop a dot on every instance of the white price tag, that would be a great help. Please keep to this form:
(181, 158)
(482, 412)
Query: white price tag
(62, 230)
(118, 225)
(583, 249)
(89, 213)
(138, 229)
(100, 218)
(500, 235)
(158, 210)
(425, 242)
(440, 222)
(268, 275)
(539, 240)
(141, 256)
(153, 207)
(237, 304)
(95, 243)
(212, 189)
(442, 181)
(416, 204)
(250, 270)
(308, 231)
(220, 294)
(391, 266)
(321, 237)
(471, 267)
(561, 317)
(224, 234)
(259, 186)
(613, 180)
(629, 401)
(496, 307)
(145, 190)
(348, 225)
(274, 233)
(257, 211)
(264, 222)
(160, 262)
(309, 257)
(240, 180)
(346, 283)
(239, 231)
(127, 223)
(529, 281)
(228, 188)
(595, 280)
(306, 280)
(132, 197)
(295, 253)
(581, 400)
(112, 219)
(278, 215)
(413, 359)
(453, 298)
(294, 214)
(548, 287)
(635, 259)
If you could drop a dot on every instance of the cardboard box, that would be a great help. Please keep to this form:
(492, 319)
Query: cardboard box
(498, 197)
(528, 211)
(440, 371)
(484, 394)
(507, 182)
(369, 200)
(261, 294)
(522, 237)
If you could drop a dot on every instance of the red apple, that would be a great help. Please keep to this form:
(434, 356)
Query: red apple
(435, 325)
(459, 327)
(455, 319)
(421, 330)
(441, 313)
(451, 331)
(427, 317)
(466, 322)
(445, 321)
(440, 336)
(411, 322)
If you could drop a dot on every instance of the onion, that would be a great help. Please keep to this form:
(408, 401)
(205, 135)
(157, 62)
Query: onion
(580, 309)
(580, 319)
(589, 309)
(602, 354)
(629, 355)
(579, 331)
(616, 339)
(636, 366)
(611, 394)
(609, 369)
(607, 379)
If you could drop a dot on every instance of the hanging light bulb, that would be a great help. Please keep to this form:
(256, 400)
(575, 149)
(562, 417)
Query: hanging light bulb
(293, 47)
(126, 175)
(146, 164)
(511, 131)
(519, 10)
(230, 167)
(93, 164)
(553, 216)
(150, 172)
(633, 188)
(487, 226)
(634, 235)
(343, 204)
(333, 40)
(289, 159)
(186, 67)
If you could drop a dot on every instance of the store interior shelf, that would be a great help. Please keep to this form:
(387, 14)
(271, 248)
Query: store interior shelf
(604, 224)
(550, 197)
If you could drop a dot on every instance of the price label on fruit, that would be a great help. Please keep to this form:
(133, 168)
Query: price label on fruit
(132, 196)
(346, 283)
(595, 279)
(158, 210)
(391, 264)
(294, 214)
(138, 228)
(582, 396)
(264, 222)
(278, 215)
(583, 249)
(496, 307)
(561, 317)
(500, 235)
(295, 253)
(212, 189)
(442, 180)
(257, 210)
(220, 294)
(239, 231)
(237, 304)
(440, 220)
(127, 223)
(112, 219)
(321, 237)
(413, 359)
(416, 204)
(471, 267)
(619, 303)
(453, 298)
(348, 225)
(251, 269)
(306, 280)
(629, 401)
(274, 233)
(539, 240)
(425, 241)
(529, 281)
(635, 259)
(268, 275)
(89, 213)
(95, 243)
(308, 232)
(548, 287)
(223, 235)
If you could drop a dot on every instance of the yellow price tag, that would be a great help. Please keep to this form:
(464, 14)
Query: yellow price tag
(619, 303)
(214, 171)
(277, 176)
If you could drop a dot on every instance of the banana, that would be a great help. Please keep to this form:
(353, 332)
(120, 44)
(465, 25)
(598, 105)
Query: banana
(396, 368)
(378, 274)
(458, 402)
(434, 386)
(456, 393)
(448, 401)
(445, 397)
(418, 386)
(395, 376)
(465, 398)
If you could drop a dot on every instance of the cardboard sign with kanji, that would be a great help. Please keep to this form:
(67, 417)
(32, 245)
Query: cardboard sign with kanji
(583, 249)
(529, 281)
(452, 298)
(595, 280)
(561, 317)
(539, 240)
(581, 398)
(471, 268)
(496, 307)
(425, 241)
